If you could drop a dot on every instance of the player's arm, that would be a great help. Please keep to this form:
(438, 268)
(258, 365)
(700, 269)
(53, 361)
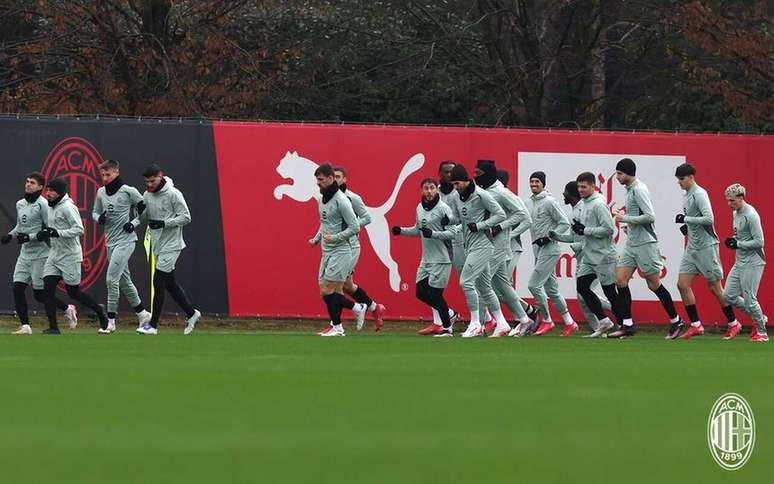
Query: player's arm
(496, 212)
(15, 229)
(353, 227)
(525, 222)
(74, 222)
(182, 215)
(136, 198)
(648, 215)
(141, 217)
(97, 209)
(606, 228)
(706, 218)
(363, 217)
(507, 201)
(756, 231)
(560, 219)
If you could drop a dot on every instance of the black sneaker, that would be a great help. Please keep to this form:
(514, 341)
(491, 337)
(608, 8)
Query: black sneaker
(623, 332)
(51, 331)
(675, 329)
(532, 312)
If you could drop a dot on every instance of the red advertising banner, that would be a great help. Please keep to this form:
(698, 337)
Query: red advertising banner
(269, 205)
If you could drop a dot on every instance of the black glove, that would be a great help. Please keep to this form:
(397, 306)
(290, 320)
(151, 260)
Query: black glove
(445, 220)
(473, 227)
(6, 238)
(156, 224)
(42, 235)
(542, 241)
(680, 218)
(51, 232)
(578, 227)
(129, 227)
(22, 238)
(551, 234)
(140, 207)
(684, 229)
(102, 218)
(496, 230)
(396, 230)
(426, 233)
(732, 243)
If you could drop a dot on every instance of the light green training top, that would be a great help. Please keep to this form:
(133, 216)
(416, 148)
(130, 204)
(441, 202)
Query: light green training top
(31, 217)
(434, 250)
(640, 215)
(749, 235)
(699, 218)
(118, 209)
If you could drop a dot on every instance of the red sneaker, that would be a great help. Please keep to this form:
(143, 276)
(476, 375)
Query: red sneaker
(545, 327)
(378, 317)
(490, 327)
(327, 329)
(569, 329)
(431, 329)
(692, 331)
(754, 332)
(760, 337)
(732, 331)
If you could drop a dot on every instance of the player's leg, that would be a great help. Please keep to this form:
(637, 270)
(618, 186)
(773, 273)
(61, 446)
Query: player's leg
(166, 263)
(712, 269)
(422, 293)
(627, 264)
(506, 293)
(50, 281)
(437, 283)
(475, 263)
(487, 295)
(750, 282)
(22, 277)
(71, 275)
(689, 268)
(536, 284)
(39, 293)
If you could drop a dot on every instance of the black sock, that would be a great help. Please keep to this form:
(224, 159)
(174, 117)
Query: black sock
(83, 298)
(666, 301)
(20, 301)
(334, 308)
(422, 292)
(583, 286)
(625, 302)
(440, 305)
(178, 294)
(346, 303)
(611, 292)
(139, 308)
(361, 297)
(159, 293)
(693, 313)
(111, 315)
(49, 288)
(729, 312)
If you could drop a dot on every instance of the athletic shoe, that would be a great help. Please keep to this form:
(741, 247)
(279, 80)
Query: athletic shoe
(111, 326)
(147, 329)
(733, 331)
(191, 322)
(569, 329)
(431, 329)
(623, 332)
(454, 317)
(760, 337)
(105, 331)
(24, 329)
(532, 312)
(545, 328)
(532, 326)
(327, 328)
(143, 318)
(51, 331)
(500, 331)
(602, 329)
(693, 331)
(518, 330)
(360, 316)
(490, 327)
(379, 317)
(753, 332)
(334, 332)
(675, 329)
(473, 331)
(71, 315)
(446, 333)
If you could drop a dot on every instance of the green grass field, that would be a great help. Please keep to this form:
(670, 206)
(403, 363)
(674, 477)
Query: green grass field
(230, 406)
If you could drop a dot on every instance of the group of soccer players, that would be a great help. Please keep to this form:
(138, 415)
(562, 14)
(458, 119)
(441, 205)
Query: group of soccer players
(475, 225)
(49, 230)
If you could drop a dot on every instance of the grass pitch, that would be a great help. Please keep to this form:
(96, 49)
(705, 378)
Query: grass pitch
(229, 406)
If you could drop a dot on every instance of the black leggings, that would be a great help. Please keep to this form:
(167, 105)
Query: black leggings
(583, 286)
(164, 282)
(20, 301)
(49, 289)
(433, 297)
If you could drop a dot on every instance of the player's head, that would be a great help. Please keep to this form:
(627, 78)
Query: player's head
(586, 184)
(429, 189)
(34, 182)
(485, 173)
(110, 170)
(685, 174)
(340, 174)
(460, 178)
(325, 176)
(503, 176)
(625, 171)
(153, 176)
(571, 195)
(445, 169)
(537, 182)
(735, 196)
(56, 189)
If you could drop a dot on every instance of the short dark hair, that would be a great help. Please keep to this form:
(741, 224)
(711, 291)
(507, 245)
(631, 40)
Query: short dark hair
(38, 177)
(446, 162)
(340, 169)
(685, 170)
(428, 180)
(110, 165)
(587, 177)
(325, 170)
(152, 170)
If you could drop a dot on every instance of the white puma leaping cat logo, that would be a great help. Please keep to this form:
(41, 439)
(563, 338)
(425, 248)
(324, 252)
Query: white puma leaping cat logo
(304, 188)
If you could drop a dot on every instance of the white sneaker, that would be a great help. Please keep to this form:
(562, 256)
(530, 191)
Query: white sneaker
(473, 331)
(334, 332)
(111, 325)
(147, 329)
(143, 318)
(520, 330)
(445, 334)
(360, 315)
(24, 329)
(105, 331)
(602, 329)
(71, 315)
(500, 331)
(191, 322)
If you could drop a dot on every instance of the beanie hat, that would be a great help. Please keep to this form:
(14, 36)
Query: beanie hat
(58, 185)
(459, 173)
(626, 166)
(540, 176)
